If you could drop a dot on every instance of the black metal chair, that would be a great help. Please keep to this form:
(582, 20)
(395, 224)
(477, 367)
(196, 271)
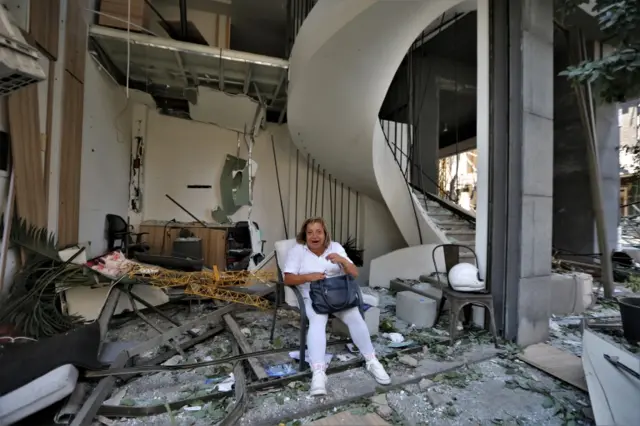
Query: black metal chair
(290, 297)
(120, 236)
(461, 299)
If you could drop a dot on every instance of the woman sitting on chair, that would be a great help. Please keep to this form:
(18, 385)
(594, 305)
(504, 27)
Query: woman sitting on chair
(316, 257)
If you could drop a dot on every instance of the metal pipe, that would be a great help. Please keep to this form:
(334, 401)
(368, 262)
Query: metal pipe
(183, 20)
(295, 208)
(275, 162)
(186, 211)
(287, 31)
(357, 204)
(341, 208)
(315, 207)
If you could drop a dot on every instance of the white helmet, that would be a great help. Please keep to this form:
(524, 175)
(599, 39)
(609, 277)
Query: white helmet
(465, 277)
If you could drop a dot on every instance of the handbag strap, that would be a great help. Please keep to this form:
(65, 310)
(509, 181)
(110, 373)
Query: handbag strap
(347, 280)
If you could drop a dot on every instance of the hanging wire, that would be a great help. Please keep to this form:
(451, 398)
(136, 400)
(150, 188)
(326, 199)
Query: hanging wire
(315, 204)
(357, 204)
(333, 226)
(348, 209)
(322, 202)
(275, 162)
(335, 203)
(313, 166)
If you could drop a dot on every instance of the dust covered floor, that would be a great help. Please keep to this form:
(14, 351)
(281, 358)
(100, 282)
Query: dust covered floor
(468, 383)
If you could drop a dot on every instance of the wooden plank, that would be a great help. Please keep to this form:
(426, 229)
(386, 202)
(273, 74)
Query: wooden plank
(26, 154)
(70, 160)
(44, 22)
(348, 419)
(245, 347)
(75, 39)
(560, 364)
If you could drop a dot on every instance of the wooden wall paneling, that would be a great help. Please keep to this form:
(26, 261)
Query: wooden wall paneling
(70, 160)
(47, 153)
(24, 126)
(76, 39)
(155, 239)
(214, 242)
(44, 23)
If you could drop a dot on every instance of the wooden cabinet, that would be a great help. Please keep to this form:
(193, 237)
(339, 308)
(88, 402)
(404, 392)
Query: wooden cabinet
(214, 241)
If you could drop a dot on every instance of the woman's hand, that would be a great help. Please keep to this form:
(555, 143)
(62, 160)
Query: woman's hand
(336, 258)
(348, 267)
(315, 276)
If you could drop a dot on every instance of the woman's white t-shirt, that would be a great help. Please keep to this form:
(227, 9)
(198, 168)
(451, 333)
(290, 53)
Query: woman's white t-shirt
(301, 260)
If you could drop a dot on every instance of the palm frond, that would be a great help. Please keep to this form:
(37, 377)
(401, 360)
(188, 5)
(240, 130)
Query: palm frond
(353, 252)
(33, 303)
(32, 238)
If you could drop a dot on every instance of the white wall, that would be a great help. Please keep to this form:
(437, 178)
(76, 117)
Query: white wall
(381, 235)
(106, 147)
(182, 152)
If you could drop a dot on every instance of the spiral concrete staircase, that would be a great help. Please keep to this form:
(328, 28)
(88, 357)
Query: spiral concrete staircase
(341, 67)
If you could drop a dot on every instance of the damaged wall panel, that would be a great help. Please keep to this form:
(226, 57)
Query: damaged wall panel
(24, 126)
(70, 160)
(234, 187)
(43, 25)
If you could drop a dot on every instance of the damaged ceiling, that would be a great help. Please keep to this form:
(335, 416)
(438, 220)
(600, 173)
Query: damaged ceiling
(171, 71)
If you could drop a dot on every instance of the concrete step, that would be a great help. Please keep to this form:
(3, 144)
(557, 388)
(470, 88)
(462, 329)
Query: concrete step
(470, 243)
(432, 204)
(452, 223)
(461, 232)
(441, 214)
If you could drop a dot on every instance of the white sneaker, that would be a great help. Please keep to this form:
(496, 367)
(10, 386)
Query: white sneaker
(377, 371)
(318, 383)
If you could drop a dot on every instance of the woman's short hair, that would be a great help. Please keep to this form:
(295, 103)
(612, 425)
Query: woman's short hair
(301, 238)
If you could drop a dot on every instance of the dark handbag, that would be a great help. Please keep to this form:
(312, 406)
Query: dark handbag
(335, 294)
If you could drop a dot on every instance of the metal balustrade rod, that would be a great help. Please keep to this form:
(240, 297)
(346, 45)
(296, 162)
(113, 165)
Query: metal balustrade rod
(322, 202)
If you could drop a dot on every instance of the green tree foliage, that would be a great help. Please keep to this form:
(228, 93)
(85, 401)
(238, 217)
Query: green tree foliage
(615, 76)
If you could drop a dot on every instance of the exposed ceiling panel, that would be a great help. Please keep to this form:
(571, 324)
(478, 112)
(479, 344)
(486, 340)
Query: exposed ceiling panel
(167, 67)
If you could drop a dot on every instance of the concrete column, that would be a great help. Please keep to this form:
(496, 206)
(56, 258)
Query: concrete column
(535, 65)
(608, 133)
(483, 117)
(608, 138)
